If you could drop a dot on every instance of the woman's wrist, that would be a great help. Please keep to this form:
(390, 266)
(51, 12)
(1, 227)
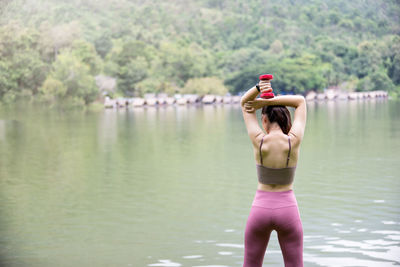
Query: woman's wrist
(287, 100)
(251, 94)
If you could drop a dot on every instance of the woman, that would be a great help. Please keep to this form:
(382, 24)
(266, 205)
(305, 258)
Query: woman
(276, 153)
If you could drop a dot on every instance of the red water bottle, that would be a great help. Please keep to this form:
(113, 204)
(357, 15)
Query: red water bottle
(266, 77)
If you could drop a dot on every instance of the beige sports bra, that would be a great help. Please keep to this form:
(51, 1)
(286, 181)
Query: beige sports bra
(279, 176)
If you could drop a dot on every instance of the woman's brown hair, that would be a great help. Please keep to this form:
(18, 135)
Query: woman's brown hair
(280, 115)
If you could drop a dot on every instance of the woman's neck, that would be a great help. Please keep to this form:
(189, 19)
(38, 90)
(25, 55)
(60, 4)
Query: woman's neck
(274, 128)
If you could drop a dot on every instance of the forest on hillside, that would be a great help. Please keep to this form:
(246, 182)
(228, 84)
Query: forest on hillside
(52, 50)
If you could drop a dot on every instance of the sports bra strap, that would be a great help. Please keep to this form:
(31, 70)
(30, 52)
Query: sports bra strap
(260, 149)
(288, 155)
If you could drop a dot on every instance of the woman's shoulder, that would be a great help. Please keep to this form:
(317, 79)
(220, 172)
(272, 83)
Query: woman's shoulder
(266, 139)
(275, 138)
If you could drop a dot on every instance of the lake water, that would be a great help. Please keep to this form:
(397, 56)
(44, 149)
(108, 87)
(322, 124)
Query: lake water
(173, 186)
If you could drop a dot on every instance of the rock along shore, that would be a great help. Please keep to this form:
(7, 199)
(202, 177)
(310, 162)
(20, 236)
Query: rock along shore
(151, 100)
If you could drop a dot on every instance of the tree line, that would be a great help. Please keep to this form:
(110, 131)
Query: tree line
(52, 50)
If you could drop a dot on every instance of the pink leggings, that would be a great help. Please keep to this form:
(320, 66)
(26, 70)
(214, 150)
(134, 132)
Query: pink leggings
(274, 211)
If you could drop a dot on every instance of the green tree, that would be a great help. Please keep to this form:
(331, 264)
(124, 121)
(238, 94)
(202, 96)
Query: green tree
(179, 63)
(21, 69)
(8, 82)
(103, 44)
(276, 47)
(295, 75)
(393, 59)
(376, 81)
(368, 60)
(129, 62)
(53, 90)
(86, 52)
(203, 86)
(55, 38)
(131, 74)
(70, 80)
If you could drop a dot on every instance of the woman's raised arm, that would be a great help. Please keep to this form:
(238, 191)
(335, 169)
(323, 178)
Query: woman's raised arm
(249, 116)
(296, 101)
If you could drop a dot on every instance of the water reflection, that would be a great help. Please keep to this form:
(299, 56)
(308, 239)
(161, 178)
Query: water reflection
(172, 186)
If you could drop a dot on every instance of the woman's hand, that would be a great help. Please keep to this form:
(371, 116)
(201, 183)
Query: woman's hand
(253, 105)
(265, 86)
(251, 94)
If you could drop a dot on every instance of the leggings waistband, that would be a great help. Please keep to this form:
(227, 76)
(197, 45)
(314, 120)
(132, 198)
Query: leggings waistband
(273, 200)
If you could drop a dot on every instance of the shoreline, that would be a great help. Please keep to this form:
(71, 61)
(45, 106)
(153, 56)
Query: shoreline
(153, 100)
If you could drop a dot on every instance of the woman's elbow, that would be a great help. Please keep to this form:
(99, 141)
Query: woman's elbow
(301, 100)
(242, 101)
